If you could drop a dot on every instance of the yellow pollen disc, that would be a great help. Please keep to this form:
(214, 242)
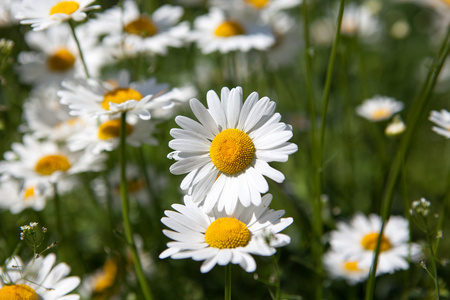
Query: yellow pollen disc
(49, 164)
(120, 95)
(135, 184)
(65, 7)
(229, 28)
(225, 233)
(111, 129)
(61, 60)
(18, 292)
(142, 26)
(351, 266)
(447, 2)
(107, 277)
(231, 151)
(29, 192)
(258, 3)
(381, 114)
(369, 242)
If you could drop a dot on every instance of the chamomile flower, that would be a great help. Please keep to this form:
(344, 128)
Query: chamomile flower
(379, 108)
(104, 135)
(39, 279)
(220, 238)
(339, 266)
(359, 20)
(7, 12)
(43, 14)
(264, 8)
(218, 32)
(47, 161)
(358, 239)
(226, 155)
(92, 97)
(442, 119)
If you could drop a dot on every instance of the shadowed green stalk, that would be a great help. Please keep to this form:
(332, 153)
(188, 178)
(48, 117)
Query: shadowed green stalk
(57, 200)
(277, 279)
(125, 212)
(72, 27)
(433, 261)
(412, 121)
(228, 282)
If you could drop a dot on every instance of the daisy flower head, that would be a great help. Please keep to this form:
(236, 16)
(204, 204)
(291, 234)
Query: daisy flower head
(220, 238)
(359, 20)
(227, 153)
(93, 97)
(47, 161)
(339, 266)
(39, 279)
(43, 14)
(442, 119)
(218, 32)
(379, 108)
(357, 241)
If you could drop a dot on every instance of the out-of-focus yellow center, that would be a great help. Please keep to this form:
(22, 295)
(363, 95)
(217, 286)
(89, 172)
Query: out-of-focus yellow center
(107, 276)
(381, 114)
(29, 192)
(231, 151)
(135, 185)
(351, 266)
(229, 28)
(258, 3)
(120, 95)
(225, 233)
(142, 26)
(111, 129)
(369, 242)
(65, 7)
(446, 2)
(49, 164)
(17, 292)
(61, 60)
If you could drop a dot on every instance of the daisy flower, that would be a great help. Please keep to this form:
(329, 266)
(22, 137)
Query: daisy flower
(358, 239)
(379, 108)
(39, 279)
(396, 127)
(92, 97)
(442, 119)
(7, 12)
(217, 32)
(43, 14)
(138, 32)
(341, 267)
(219, 238)
(359, 20)
(104, 135)
(47, 161)
(227, 153)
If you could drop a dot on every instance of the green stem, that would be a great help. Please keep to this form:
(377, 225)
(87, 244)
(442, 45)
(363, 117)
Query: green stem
(72, 27)
(57, 200)
(278, 278)
(413, 118)
(433, 264)
(125, 212)
(228, 282)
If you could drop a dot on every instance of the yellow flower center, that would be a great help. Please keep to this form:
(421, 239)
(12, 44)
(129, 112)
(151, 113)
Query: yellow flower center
(120, 95)
(135, 184)
(351, 266)
(232, 151)
(18, 292)
(229, 28)
(29, 192)
(49, 164)
(225, 233)
(446, 2)
(65, 7)
(111, 129)
(369, 242)
(142, 26)
(381, 114)
(107, 277)
(61, 60)
(258, 3)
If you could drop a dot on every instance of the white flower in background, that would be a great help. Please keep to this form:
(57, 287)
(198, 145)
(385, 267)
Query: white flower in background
(43, 14)
(102, 282)
(359, 20)
(104, 135)
(441, 15)
(396, 127)
(343, 268)
(179, 97)
(226, 155)
(39, 279)
(219, 238)
(47, 161)
(92, 97)
(130, 32)
(7, 12)
(442, 119)
(17, 195)
(379, 108)
(357, 241)
(218, 32)
(265, 9)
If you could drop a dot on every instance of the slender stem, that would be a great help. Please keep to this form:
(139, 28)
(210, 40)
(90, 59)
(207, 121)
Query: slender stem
(125, 213)
(278, 278)
(433, 264)
(413, 118)
(228, 282)
(72, 27)
(57, 200)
